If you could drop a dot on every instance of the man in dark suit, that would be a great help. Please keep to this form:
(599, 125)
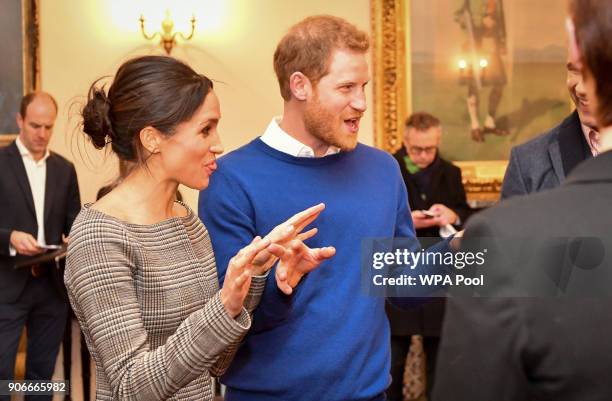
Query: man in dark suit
(434, 185)
(40, 199)
(545, 161)
(553, 341)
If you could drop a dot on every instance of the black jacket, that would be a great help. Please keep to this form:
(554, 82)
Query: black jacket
(445, 187)
(62, 204)
(544, 161)
(549, 347)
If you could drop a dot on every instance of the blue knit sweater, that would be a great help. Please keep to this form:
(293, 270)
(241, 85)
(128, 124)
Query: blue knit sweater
(328, 341)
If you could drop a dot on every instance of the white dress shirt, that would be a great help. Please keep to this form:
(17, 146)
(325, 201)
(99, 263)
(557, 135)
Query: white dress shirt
(276, 138)
(593, 139)
(37, 176)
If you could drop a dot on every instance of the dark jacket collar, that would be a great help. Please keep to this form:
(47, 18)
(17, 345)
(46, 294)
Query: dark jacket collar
(573, 146)
(24, 184)
(20, 174)
(12, 149)
(400, 154)
(597, 169)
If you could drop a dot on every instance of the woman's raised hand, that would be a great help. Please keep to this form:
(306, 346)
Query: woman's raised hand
(282, 235)
(238, 276)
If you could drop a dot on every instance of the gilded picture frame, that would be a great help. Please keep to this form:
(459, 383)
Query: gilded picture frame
(20, 62)
(389, 72)
(400, 87)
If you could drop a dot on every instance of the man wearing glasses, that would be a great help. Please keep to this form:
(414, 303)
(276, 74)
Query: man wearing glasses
(435, 190)
(437, 199)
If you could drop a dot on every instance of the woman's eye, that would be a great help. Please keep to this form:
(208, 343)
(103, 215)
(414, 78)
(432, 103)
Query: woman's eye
(206, 131)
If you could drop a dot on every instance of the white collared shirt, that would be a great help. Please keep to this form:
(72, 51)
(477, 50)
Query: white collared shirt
(592, 142)
(37, 176)
(278, 139)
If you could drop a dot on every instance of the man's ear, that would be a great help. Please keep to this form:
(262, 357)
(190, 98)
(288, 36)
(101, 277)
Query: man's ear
(405, 139)
(300, 85)
(150, 138)
(19, 119)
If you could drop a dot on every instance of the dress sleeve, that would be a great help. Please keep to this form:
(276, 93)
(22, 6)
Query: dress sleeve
(258, 284)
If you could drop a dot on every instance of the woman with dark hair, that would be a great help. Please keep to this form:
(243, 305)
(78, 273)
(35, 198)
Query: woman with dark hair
(140, 270)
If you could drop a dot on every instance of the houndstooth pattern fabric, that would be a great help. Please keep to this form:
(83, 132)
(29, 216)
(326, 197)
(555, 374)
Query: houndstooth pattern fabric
(147, 299)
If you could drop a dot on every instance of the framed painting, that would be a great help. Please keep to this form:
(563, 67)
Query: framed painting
(19, 64)
(492, 71)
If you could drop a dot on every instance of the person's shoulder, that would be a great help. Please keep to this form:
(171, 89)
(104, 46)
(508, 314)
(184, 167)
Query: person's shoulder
(373, 154)
(495, 221)
(238, 165)
(375, 165)
(449, 166)
(519, 216)
(538, 144)
(64, 169)
(7, 150)
(60, 160)
(237, 158)
(541, 142)
(91, 226)
(96, 233)
(4, 156)
(371, 150)
(97, 243)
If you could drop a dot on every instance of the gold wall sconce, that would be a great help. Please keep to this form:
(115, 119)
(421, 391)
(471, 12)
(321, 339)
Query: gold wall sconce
(168, 38)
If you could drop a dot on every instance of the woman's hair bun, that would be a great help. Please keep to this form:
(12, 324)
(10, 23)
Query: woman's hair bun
(96, 120)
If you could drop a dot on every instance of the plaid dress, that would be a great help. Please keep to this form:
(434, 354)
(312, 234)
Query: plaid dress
(147, 299)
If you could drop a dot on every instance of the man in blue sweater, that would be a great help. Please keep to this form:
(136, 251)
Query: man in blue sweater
(327, 340)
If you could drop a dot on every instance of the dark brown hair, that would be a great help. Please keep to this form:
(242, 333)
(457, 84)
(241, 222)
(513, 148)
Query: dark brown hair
(593, 22)
(308, 47)
(155, 91)
(29, 98)
(421, 121)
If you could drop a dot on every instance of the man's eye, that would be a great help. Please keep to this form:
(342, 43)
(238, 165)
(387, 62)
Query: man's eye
(206, 131)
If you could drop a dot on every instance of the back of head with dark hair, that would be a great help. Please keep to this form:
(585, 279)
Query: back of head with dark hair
(421, 121)
(593, 22)
(29, 98)
(308, 47)
(155, 91)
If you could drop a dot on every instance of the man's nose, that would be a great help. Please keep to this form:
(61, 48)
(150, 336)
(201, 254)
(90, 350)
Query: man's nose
(44, 132)
(359, 101)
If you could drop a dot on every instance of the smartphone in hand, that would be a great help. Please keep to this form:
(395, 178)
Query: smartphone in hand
(428, 214)
(49, 247)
